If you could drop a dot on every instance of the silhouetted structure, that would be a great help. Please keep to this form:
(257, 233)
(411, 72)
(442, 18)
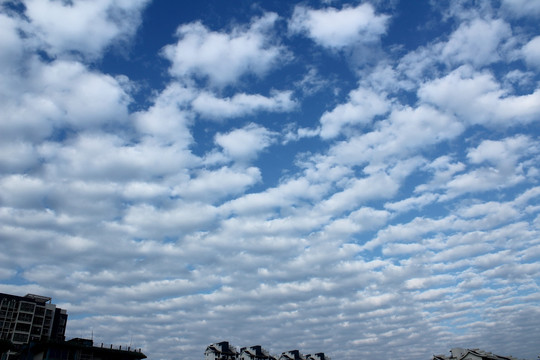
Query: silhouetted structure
(77, 349)
(224, 351)
(291, 355)
(24, 319)
(255, 352)
(471, 354)
(220, 351)
(317, 356)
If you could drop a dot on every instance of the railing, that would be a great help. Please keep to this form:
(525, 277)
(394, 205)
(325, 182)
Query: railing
(120, 347)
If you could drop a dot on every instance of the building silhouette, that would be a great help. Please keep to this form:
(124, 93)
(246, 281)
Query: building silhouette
(77, 349)
(30, 318)
(33, 328)
(220, 351)
(471, 354)
(291, 355)
(224, 351)
(317, 356)
(255, 352)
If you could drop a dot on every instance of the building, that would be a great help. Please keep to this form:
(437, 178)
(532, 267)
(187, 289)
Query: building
(255, 352)
(317, 356)
(471, 354)
(77, 349)
(291, 355)
(28, 318)
(220, 351)
(224, 351)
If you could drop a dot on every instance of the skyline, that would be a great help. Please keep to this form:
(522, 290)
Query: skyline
(358, 178)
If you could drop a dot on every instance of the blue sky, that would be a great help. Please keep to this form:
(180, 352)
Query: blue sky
(356, 178)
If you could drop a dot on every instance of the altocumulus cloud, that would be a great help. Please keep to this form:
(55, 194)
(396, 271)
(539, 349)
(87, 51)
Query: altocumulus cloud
(354, 178)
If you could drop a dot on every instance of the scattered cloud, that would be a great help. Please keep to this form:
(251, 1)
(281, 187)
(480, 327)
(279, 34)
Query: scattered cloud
(245, 143)
(478, 98)
(250, 171)
(82, 27)
(531, 52)
(223, 58)
(209, 106)
(521, 8)
(478, 42)
(337, 29)
(362, 107)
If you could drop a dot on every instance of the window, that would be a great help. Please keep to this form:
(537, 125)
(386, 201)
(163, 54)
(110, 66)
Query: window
(40, 310)
(20, 337)
(22, 327)
(27, 307)
(25, 317)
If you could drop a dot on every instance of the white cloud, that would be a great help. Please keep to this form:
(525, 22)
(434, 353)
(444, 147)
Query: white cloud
(138, 218)
(404, 133)
(336, 29)
(357, 221)
(505, 153)
(443, 169)
(477, 42)
(523, 8)
(74, 91)
(211, 107)
(91, 156)
(312, 82)
(148, 221)
(411, 203)
(499, 166)
(165, 120)
(83, 26)
(478, 99)
(61, 93)
(363, 105)
(359, 191)
(11, 47)
(137, 190)
(17, 156)
(479, 180)
(244, 144)
(224, 58)
(287, 196)
(20, 191)
(531, 52)
(212, 185)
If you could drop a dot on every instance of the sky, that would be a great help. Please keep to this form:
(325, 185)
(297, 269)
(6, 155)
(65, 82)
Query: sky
(359, 178)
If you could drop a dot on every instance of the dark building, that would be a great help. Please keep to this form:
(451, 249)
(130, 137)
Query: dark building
(471, 354)
(317, 356)
(255, 352)
(29, 318)
(220, 351)
(77, 349)
(291, 355)
(224, 351)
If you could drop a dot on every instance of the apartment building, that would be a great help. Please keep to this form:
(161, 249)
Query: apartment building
(220, 351)
(224, 351)
(30, 318)
(255, 352)
(78, 349)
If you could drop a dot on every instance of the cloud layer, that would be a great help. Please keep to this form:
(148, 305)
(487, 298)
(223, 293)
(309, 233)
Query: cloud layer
(275, 188)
